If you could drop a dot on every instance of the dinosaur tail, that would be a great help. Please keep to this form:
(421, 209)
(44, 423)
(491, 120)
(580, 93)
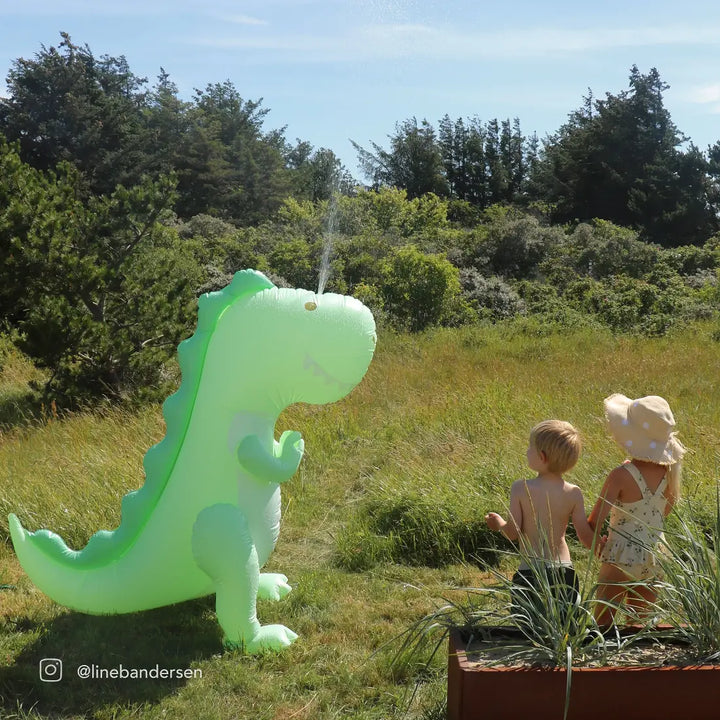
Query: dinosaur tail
(54, 568)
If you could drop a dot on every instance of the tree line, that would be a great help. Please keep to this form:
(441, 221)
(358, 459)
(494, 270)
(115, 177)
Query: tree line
(120, 203)
(66, 105)
(620, 158)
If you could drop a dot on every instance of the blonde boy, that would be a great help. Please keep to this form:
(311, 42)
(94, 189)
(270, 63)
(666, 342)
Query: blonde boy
(540, 508)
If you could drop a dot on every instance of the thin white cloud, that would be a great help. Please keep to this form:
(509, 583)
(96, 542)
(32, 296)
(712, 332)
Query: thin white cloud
(243, 20)
(547, 41)
(704, 94)
(391, 41)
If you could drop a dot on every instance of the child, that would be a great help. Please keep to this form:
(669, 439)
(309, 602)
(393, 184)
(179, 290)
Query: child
(540, 508)
(637, 495)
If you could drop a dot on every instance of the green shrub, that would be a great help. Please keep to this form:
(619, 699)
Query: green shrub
(362, 257)
(517, 246)
(419, 290)
(603, 250)
(690, 260)
(491, 297)
(293, 260)
(372, 298)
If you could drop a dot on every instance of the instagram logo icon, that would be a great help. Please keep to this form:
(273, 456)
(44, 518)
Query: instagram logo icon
(51, 670)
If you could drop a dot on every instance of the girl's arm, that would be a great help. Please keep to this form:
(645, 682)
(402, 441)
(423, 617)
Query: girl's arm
(608, 497)
(583, 529)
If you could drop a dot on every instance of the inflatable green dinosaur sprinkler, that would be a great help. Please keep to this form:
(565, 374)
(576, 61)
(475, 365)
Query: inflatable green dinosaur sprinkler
(208, 516)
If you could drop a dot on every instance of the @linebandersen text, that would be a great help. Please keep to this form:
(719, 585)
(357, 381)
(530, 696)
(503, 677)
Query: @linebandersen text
(51, 670)
(120, 672)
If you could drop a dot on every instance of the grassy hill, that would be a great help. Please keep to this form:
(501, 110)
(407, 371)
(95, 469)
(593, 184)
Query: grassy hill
(383, 517)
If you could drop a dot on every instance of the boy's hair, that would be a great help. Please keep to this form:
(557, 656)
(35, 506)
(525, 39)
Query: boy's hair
(560, 442)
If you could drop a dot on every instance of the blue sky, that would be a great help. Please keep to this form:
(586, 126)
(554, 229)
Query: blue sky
(334, 70)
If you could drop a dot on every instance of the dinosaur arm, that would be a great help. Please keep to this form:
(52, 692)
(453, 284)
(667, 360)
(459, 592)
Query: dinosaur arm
(276, 466)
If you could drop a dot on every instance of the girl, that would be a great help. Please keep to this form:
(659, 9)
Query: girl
(637, 495)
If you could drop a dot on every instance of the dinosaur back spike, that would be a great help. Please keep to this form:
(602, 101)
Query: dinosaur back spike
(159, 460)
(212, 305)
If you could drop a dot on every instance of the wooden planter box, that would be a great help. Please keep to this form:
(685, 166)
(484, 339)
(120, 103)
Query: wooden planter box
(626, 693)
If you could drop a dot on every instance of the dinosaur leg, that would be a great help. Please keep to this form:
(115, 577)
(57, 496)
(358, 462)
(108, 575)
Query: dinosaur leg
(223, 548)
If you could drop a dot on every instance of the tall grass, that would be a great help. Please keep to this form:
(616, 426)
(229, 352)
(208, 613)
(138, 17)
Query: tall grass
(421, 517)
(689, 595)
(400, 472)
(18, 403)
(469, 405)
(70, 475)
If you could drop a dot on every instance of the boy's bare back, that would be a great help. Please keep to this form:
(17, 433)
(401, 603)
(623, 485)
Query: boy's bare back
(540, 509)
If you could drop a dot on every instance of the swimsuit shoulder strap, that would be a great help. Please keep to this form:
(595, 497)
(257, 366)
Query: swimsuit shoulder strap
(641, 482)
(638, 477)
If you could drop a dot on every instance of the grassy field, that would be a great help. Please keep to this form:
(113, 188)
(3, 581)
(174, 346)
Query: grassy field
(382, 519)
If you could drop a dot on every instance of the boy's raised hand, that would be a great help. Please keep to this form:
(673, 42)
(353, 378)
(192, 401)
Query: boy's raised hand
(495, 521)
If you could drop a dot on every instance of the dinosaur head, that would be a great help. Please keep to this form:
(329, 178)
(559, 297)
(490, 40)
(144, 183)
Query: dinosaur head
(322, 344)
(293, 345)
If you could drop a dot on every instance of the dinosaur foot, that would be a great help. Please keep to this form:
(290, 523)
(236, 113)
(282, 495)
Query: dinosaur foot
(269, 637)
(273, 586)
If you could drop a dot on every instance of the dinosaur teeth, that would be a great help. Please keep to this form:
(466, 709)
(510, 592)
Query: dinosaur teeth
(318, 371)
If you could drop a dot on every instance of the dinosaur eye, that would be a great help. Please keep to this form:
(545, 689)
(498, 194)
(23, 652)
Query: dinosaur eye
(310, 305)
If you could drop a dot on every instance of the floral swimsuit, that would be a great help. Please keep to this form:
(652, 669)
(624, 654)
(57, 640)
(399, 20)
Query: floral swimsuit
(636, 530)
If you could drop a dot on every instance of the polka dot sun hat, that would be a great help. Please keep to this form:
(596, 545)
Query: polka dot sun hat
(644, 428)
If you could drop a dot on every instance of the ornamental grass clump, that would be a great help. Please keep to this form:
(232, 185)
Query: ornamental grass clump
(556, 622)
(689, 595)
(549, 624)
(505, 623)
